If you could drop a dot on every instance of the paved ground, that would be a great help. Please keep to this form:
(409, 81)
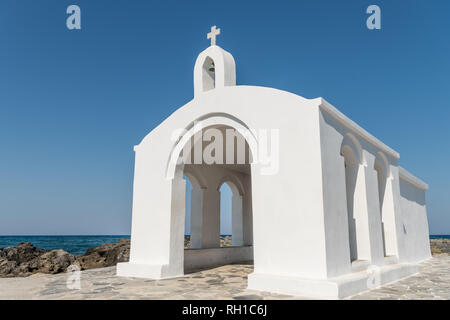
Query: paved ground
(431, 283)
(227, 282)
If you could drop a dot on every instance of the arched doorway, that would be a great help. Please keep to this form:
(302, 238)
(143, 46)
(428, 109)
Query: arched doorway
(226, 159)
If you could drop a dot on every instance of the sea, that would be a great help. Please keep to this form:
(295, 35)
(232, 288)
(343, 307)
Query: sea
(72, 244)
(79, 244)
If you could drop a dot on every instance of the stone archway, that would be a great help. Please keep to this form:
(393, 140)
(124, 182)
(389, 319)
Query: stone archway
(207, 177)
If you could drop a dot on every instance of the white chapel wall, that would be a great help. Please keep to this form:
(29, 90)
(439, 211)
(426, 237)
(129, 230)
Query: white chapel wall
(287, 205)
(366, 198)
(413, 204)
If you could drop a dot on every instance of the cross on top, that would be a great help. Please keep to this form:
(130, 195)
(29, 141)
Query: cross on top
(213, 34)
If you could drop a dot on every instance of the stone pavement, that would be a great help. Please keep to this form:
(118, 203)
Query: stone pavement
(226, 282)
(431, 283)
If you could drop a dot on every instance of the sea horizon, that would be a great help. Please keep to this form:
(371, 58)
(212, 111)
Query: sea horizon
(78, 244)
(73, 244)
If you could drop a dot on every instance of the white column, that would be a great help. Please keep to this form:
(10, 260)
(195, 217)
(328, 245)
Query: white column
(157, 249)
(177, 225)
(211, 218)
(237, 221)
(372, 211)
(351, 174)
(196, 217)
(388, 218)
(360, 214)
(247, 215)
(394, 186)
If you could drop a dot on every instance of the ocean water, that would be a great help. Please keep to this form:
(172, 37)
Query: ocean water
(440, 236)
(71, 244)
(79, 244)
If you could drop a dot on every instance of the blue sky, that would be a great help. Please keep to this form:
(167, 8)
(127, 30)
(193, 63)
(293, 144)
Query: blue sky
(74, 102)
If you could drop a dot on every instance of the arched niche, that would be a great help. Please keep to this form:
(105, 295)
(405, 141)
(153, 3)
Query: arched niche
(352, 154)
(350, 142)
(381, 167)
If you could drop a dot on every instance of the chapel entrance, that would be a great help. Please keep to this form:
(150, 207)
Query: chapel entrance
(217, 170)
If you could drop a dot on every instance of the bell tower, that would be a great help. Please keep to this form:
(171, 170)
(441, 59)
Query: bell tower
(214, 68)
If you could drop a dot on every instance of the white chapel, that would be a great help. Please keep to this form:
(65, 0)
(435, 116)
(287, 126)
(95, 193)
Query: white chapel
(319, 205)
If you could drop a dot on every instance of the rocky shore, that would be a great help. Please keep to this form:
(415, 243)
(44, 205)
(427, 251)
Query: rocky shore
(24, 259)
(440, 246)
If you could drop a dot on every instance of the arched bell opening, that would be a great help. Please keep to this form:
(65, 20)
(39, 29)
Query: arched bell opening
(209, 74)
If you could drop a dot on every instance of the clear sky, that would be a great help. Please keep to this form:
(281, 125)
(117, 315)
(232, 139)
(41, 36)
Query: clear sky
(74, 102)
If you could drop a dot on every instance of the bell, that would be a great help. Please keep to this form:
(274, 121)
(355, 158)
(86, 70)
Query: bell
(212, 67)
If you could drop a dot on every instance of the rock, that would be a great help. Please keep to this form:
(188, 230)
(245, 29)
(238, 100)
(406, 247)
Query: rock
(7, 267)
(106, 255)
(440, 246)
(25, 259)
(225, 241)
(54, 261)
(23, 252)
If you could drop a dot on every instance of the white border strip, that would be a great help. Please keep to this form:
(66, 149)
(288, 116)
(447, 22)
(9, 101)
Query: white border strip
(335, 113)
(408, 177)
